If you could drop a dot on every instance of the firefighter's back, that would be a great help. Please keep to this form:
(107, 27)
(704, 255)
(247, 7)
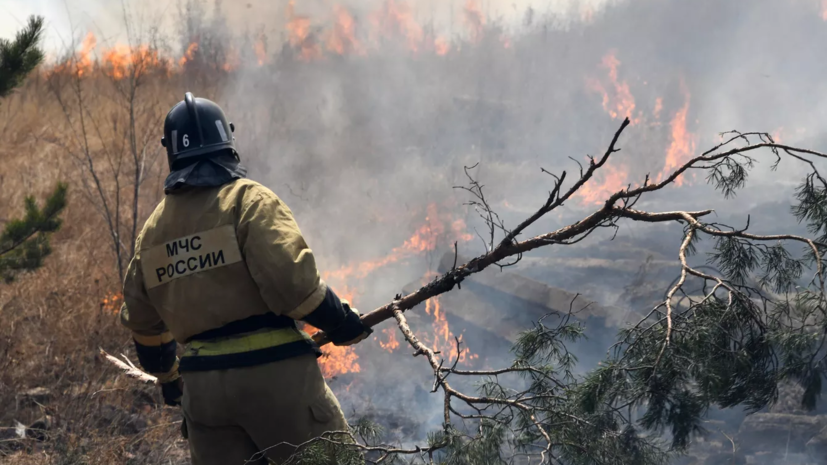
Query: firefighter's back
(241, 396)
(222, 267)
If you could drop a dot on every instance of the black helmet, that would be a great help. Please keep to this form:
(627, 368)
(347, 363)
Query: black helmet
(196, 128)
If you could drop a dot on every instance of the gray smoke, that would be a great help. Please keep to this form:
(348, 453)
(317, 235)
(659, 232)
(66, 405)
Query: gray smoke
(360, 145)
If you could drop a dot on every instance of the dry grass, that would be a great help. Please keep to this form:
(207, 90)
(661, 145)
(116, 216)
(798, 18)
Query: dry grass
(54, 320)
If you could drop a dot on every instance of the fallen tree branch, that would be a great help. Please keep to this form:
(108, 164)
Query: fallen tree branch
(605, 216)
(129, 369)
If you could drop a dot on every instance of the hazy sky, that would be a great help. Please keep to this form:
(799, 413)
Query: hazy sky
(105, 17)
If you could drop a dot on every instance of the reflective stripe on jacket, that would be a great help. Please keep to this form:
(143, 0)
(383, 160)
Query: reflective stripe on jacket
(251, 349)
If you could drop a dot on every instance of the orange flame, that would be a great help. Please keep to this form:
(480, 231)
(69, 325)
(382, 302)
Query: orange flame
(424, 239)
(123, 60)
(189, 54)
(443, 339)
(393, 19)
(233, 60)
(84, 64)
(117, 62)
(299, 34)
(346, 293)
(608, 181)
(342, 38)
(683, 142)
(658, 107)
(78, 64)
(337, 360)
(260, 48)
(398, 18)
(474, 19)
(623, 104)
(777, 134)
(111, 302)
(441, 46)
(392, 343)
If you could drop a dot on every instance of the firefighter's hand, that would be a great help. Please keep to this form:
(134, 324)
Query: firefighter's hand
(173, 391)
(351, 330)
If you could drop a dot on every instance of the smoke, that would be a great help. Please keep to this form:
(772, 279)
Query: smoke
(365, 138)
(359, 145)
(364, 145)
(106, 19)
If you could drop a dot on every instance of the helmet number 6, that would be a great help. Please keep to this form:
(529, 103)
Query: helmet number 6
(186, 140)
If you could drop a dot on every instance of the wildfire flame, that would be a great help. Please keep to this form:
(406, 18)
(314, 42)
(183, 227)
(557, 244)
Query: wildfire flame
(623, 103)
(658, 107)
(123, 60)
(342, 37)
(189, 54)
(443, 339)
(84, 63)
(611, 178)
(233, 60)
(393, 19)
(299, 34)
(118, 61)
(441, 46)
(398, 18)
(392, 343)
(683, 142)
(424, 239)
(337, 360)
(474, 19)
(111, 302)
(78, 64)
(437, 227)
(260, 49)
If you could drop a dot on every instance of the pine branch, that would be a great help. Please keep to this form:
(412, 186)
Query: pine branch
(20, 56)
(24, 242)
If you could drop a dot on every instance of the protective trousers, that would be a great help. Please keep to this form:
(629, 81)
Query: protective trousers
(242, 415)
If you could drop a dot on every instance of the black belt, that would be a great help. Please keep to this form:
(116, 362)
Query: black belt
(249, 324)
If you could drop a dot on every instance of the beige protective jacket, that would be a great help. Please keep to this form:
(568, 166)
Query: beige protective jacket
(210, 256)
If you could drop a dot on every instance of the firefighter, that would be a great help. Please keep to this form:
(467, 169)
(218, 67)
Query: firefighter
(221, 267)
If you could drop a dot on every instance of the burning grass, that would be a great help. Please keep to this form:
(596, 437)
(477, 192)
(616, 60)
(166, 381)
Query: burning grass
(68, 119)
(77, 114)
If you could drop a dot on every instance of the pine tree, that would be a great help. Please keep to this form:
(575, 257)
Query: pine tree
(20, 56)
(24, 242)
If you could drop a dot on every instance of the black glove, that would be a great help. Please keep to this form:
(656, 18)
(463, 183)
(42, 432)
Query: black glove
(341, 323)
(351, 331)
(173, 391)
